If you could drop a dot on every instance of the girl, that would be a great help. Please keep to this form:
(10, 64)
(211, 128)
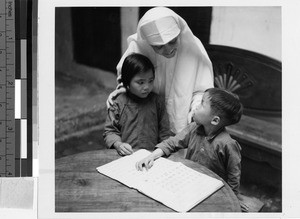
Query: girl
(137, 118)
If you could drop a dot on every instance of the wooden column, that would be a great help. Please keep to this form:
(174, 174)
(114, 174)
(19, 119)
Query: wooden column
(129, 20)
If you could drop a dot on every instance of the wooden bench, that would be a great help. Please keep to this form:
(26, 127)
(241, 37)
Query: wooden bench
(262, 138)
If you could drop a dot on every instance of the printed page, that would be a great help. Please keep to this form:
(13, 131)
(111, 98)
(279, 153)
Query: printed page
(178, 186)
(171, 183)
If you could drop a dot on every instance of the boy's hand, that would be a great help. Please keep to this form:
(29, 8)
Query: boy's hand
(147, 162)
(190, 117)
(123, 149)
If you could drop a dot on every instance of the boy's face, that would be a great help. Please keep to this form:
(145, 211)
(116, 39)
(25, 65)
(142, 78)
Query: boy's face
(203, 114)
(142, 84)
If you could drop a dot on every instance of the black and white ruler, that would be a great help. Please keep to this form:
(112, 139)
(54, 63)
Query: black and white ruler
(15, 115)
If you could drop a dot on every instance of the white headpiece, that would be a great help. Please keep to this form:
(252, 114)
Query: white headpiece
(160, 31)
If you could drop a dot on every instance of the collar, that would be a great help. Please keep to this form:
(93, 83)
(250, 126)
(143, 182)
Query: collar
(200, 131)
(137, 99)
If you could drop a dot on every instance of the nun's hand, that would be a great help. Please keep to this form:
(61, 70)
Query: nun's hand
(113, 95)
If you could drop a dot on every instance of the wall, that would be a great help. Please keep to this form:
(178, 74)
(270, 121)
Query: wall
(129, 21)
(63, 40)
(257, 29)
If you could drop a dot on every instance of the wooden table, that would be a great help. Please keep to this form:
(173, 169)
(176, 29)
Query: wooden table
(80, 188)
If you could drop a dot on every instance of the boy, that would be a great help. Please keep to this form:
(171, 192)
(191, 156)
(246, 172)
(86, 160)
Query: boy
(206, 138)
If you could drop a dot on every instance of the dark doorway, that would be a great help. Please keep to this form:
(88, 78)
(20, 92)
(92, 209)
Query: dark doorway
(97, 36)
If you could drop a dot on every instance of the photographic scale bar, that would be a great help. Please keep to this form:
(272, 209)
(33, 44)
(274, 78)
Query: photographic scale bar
(15, 115)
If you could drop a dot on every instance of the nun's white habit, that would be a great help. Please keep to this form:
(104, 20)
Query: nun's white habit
(183, 78)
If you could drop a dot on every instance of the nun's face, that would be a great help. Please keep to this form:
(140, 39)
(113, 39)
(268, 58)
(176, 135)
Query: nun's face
(168, 50)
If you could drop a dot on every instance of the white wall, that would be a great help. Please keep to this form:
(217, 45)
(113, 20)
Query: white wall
(129, 21)
(257, 29)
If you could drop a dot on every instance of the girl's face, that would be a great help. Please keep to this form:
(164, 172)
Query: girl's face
(203, 114)
(168, 50)
(142, 84)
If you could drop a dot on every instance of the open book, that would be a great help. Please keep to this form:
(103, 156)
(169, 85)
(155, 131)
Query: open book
(171, 183)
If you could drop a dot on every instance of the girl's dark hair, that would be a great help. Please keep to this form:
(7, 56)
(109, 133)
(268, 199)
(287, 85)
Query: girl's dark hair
(225, 104)
(133, 64)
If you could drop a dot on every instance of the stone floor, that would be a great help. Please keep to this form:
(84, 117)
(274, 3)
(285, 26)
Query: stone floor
(80, 113)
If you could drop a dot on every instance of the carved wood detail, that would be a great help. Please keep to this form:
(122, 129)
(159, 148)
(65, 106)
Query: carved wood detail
(229, 77)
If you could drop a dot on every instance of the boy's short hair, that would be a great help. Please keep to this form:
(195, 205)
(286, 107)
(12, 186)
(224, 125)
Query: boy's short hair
(225, 104)
(134, 64)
